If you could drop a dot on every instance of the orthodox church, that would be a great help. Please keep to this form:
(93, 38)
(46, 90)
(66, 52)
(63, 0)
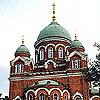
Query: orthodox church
(58, 72)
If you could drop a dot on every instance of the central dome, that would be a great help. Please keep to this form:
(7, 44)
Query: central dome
(54, 31)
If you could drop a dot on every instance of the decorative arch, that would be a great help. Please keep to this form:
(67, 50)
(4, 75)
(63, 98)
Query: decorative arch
(59, 45)
(46, 64)
(41, 94)
(16, 59)
(75, 52)
(77, 95)
(41, 47)
(55, 93)
(67, 47)
(66, 93)
(31, 92)
(45, 89)
(94, 97)
(49, 45)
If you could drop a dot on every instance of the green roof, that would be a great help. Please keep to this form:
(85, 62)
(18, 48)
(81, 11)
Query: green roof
(54, 31)
(46, 82)
(22, 49)
(76, 44)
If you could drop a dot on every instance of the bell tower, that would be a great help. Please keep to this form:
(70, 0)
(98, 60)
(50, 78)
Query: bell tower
(20, 66)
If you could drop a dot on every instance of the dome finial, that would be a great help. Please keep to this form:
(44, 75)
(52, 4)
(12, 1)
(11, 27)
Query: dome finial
(22, 39)
(76, 36)
(54, 17)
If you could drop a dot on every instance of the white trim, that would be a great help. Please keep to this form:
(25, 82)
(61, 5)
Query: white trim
(75, 52)
(67, 47)
(28, 92)
(16, 59)
(17, 97)
(45, 76)
(26, 60)
(41, 47)
(49, 45)
(59, 45)
(56, 89)
(46, 63)
(68, 94)
(41, 89)
(77, 94)
(38, 42)
(94, 97)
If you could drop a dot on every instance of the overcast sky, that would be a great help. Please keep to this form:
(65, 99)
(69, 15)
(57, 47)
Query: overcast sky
(29, 17)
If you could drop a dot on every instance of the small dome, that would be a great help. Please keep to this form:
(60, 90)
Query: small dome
(54, 31)
(22, 49)
(76, 44)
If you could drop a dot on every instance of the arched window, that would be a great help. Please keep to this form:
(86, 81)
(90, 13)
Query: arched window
(50, 52)
(18, 68)
(67, 52)
(75, 64)
(36, 57)
(55, 97)
(65, 98)
(60, 52)
(78, 97)
(42, 97)
(41, 54)
(31, 97)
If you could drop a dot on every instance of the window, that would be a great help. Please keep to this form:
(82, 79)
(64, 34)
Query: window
(65, 98)
(31, 97)
(42, 97)
(36, 57)
(42, 54)
(18, 68)
(78, 97)
(60, 52)
(50, 52)
(67, 52)
(55, 97)
(75, 64)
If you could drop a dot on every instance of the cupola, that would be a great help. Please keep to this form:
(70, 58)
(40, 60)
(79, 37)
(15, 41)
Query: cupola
(77, 45)
(54, 31)
(22, 50)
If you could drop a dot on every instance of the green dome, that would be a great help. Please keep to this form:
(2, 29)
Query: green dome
(22, 49)
(76, 44)
(54, 31)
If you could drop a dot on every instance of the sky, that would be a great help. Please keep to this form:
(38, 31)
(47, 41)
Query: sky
(29, 17)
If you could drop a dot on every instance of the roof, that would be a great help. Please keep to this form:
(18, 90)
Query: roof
(54, 31)
(22, 49)
(76, 44)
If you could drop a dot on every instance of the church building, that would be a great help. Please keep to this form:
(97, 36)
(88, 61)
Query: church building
(57, 72)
